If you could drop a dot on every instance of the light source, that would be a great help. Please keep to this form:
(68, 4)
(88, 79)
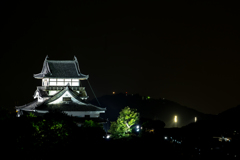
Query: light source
(175, 119)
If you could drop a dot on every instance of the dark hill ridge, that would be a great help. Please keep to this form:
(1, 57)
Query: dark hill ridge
(156, 109)
(229, 119)
(224, 123)
(232, 113)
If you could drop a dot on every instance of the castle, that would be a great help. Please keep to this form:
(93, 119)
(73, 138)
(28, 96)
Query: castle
(61, 90)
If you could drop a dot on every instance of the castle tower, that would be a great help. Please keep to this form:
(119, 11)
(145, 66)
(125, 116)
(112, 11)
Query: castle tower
(57, 74)
(61, 90)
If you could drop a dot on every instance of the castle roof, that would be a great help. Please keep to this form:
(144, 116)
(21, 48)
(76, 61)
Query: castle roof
(76, 105)
(60, 69)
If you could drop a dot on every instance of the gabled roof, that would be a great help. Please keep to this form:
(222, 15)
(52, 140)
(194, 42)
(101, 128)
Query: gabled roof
(71, 106)
(41, 93)
(60, 93)
(60, 69)
(30, 106)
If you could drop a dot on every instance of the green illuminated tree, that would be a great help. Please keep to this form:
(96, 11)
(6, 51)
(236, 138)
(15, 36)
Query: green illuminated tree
(123, 126)
(54, 128)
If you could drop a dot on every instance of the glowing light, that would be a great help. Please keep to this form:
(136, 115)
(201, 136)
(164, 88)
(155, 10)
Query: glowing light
(113, 92)
(75, 83)
(165, 137)
(175, 119)
(60, 83)
(195, 119)
(137, 127)
(53, 83)
(148, 97)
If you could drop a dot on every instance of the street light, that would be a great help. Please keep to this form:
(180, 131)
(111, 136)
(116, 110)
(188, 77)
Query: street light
(137, 128)
(175, 120)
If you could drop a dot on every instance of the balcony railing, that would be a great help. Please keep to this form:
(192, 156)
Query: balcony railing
(81, 90)
(49, 88)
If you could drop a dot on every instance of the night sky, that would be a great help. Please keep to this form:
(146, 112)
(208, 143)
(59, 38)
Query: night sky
(187, 51)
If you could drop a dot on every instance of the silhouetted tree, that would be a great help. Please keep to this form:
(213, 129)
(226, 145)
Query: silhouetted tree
(91, 131)
(149, 125)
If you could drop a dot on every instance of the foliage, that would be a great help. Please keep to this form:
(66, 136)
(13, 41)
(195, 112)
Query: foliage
(49, 131)
(91, 131)
(91, 123)
(152, 126)
(31, 115)
(123, 126)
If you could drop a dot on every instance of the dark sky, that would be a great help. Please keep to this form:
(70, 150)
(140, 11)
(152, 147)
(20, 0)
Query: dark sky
(187, 51)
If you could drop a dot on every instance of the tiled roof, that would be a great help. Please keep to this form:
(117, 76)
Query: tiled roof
(66, 106)
(61, 69)
(69, 107)
(41, 93)
(60, 93)
(30, 106)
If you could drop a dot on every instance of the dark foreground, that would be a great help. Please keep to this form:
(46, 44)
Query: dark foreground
(57, 137)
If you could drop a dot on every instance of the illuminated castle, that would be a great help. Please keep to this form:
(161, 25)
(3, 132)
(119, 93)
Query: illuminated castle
(61, 90)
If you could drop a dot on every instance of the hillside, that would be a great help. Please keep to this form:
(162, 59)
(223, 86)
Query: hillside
(156, 109)
(229, 119)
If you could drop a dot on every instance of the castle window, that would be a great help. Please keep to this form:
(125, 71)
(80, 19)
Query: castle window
(75, 83)
(60, 83)
(64, 82)
(67, 99)
(53, 83)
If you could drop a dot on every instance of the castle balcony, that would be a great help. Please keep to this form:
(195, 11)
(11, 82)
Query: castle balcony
(78, 89)
(58, 88)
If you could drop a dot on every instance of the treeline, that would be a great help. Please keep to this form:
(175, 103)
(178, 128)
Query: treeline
(53, 134)
(56, 135)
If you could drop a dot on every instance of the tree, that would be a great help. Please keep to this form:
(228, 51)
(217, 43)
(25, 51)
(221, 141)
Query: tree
(91, 123)
(50, 131)
(91, 131)
(150, 125)
(123, 126)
